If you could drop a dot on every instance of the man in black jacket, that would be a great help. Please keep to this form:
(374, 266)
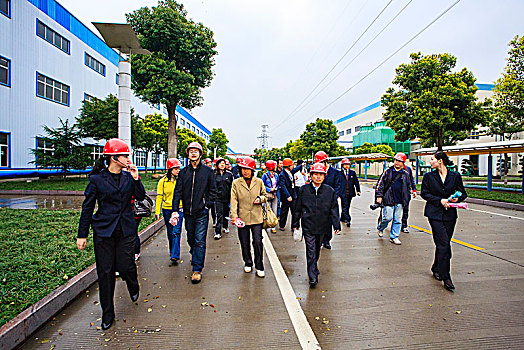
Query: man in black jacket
(351, 189)
(317, 206)
(405, 211)
(196, 188)
(224, 180)
(393, 192)
(288, 193)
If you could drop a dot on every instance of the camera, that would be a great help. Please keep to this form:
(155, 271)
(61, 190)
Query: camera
(375, 206)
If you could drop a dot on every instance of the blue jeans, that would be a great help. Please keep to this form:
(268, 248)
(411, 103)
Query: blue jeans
(391, 213)
(196, 228)
(173, 233)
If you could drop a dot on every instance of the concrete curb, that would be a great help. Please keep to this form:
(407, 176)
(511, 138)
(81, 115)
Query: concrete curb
(52, 192)
(17, 330)
(497, 204)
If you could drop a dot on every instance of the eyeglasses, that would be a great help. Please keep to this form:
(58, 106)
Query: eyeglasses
(193, 151)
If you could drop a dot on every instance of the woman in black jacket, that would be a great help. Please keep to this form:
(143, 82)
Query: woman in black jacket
(223, 179)
(437, 188)
(317, 206)
(114, 226)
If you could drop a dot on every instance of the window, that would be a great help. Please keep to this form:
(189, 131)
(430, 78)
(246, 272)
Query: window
(46, 146)
(182, 121)
(157, 106)
(341, 133)
(155, 160)
(193, 128)
(52, 37)
(88, 98)
(188, 126)
(140, 158)
(96, 151)
(357, 128)
(164, 110)
(5, 7)
(348, 131)
(473, 135)
(5, 67)
(95, 65)
(52, 90)
(116, 79)
(4, 149)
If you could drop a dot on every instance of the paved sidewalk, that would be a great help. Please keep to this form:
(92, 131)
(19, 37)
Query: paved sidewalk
(371, 294)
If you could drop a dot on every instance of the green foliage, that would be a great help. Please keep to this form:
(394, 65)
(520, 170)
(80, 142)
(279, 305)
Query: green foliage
(321, 135)
(98, 120)
(433, 103)
(296, 150)
(466, 168)
(273, 154)
(365, 148)
(181, 60)
(38, 254)
(68, 154)
(219, 140)
(185, 137)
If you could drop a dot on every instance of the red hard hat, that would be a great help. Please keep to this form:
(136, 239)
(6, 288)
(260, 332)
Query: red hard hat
(219, 159)
(287, 162)
(320, 156)
(194, 145)
(173, 163)
(318, 168)
(207, 160)
(345, 161)
(116, 146)
(238, 159)
(247, 162)
(401, 156)
(271, 165)
(215, 161)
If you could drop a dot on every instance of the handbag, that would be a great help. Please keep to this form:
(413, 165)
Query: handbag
(143, 208)
(270, 219)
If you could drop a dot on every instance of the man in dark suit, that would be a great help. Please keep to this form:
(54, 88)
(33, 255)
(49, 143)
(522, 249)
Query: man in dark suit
(288, 194)
(351, 189)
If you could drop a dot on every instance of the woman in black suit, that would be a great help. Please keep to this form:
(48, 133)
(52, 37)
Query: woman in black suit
(114, 225)
(437, 188)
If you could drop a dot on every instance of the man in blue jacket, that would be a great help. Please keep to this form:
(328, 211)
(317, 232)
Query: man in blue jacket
(334, 179)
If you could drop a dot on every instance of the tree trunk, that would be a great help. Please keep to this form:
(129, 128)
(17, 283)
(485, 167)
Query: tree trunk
(147, 156)
(172, 137)
(439, 140)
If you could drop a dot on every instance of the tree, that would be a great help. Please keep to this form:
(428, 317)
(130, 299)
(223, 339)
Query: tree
(322, 135)
(383, 149)
(218, 140)
(180, 64)
(68, 152)
(508, 97)
(432, 103)
(296, 149)
(365, 148)
(186, 136)
(154, 135)
(98, 119)
(273, 154)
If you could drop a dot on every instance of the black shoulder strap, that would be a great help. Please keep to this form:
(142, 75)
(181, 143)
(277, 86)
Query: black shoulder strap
(386, 187)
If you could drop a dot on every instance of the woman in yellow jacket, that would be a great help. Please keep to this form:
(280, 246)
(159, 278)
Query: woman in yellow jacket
(164, 198)
(247, 195)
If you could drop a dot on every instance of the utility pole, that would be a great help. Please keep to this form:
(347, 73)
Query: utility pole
(264, 137)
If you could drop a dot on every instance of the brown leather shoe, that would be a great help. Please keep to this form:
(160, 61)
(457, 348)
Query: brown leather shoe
(196, 277)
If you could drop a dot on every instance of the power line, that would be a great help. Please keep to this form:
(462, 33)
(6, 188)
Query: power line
(384, 61)
(336, 64)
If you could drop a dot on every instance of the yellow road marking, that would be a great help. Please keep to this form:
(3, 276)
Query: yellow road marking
(452, 240)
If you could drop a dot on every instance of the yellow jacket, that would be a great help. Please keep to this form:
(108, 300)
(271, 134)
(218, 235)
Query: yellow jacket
(164, 194)
(242, 198)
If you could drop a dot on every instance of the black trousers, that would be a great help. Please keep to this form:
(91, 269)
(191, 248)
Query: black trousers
(284, 208)
(222, 211)
(213, 214)
(442, 234)
(345, 201)
(313, 244)
(405, 213)
(115, 253)
(258, 246)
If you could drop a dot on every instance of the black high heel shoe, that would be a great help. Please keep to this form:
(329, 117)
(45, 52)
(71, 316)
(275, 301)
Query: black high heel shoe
(437, 276)
(449, 285)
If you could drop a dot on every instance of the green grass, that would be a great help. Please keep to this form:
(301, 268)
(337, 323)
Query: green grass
(494, 184)
(69, 184)
(37, 254)
(494, 195)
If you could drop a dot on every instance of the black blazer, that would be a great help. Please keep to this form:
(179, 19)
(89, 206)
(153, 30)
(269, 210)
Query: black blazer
(286, 185)
(318, 211)
(114, 204)
(334, 179)
(433, 190)
(350, 184)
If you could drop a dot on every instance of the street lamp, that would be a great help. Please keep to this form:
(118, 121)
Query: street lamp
(122, 37)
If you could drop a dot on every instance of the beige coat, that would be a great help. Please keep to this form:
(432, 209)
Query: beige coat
(242, 198)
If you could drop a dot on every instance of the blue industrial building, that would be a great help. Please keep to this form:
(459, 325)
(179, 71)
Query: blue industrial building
(50, 62)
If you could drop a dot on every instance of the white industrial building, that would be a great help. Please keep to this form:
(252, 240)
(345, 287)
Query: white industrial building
(50, 62)
(349, 125)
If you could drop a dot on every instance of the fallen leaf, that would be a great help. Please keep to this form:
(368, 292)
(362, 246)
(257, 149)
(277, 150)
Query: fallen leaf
(138, 345)
(239, 298)
(107, 339)
(146, 300)
(157, 330)
(60, 333)
(285, 330)
(136, 331)
(458, 312)
(211, 305)
(204, 303)
(99, 319)
(164, 306)
(91, 324)
(65, 277)
(45, 341)
(317, 318)
(149, 310)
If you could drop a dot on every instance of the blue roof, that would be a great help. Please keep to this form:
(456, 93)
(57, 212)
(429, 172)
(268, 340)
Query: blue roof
(63, 17)
(482, 87)
(189, 117)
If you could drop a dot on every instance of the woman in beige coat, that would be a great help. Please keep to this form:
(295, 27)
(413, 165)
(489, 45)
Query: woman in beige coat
(247, 194)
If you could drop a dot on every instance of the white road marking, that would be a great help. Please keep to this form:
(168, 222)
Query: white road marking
(305, 334)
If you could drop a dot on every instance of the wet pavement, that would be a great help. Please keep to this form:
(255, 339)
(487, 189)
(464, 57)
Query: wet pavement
(41, 202)
(371, 293)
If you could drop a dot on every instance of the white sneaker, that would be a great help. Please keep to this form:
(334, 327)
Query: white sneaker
(395, 241)
(218, 236)
(248, 269)
(137, 256)
(380, 233)
(405, 230)
(226, 230)
(260, 273)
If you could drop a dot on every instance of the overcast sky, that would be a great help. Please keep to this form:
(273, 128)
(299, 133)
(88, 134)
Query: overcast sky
(272, 53)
